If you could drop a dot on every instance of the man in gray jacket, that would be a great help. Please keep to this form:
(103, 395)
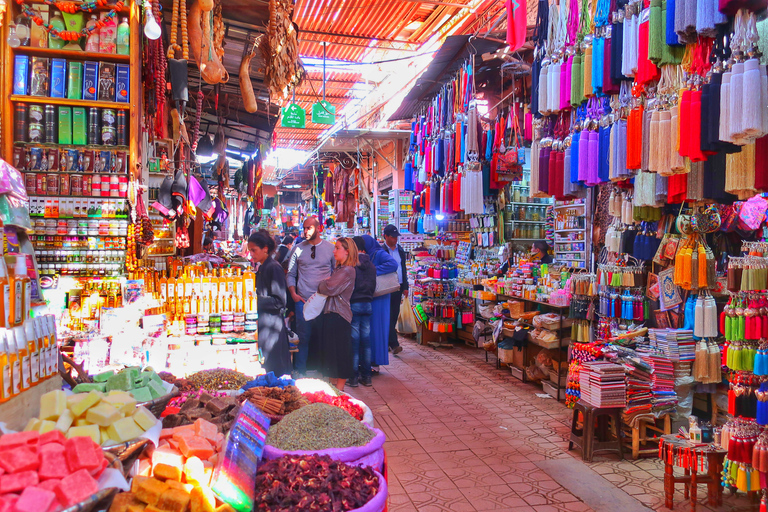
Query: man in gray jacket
(309, 262)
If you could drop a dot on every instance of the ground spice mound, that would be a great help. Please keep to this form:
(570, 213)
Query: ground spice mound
(318, 427)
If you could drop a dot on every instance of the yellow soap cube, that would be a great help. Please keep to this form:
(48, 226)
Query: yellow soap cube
(33, 424)
(104, 435)
(82, 422)
(65, 421)
(144, 418)
(86, 403)
(124, 430)
(122, 401)
(91, 431)
(73, 399)
(103, 415)
(46, 426)
(52, 404)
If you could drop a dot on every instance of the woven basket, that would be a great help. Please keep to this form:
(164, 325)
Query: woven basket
(158, 405)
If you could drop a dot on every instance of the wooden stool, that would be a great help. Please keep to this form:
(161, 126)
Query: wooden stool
(594, 436)
(643, 438)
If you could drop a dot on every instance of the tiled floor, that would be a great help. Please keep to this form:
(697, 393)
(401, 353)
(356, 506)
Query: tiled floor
(464, 436)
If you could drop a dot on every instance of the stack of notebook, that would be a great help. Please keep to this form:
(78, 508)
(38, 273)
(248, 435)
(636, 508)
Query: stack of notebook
(602, 384)
(676, 344)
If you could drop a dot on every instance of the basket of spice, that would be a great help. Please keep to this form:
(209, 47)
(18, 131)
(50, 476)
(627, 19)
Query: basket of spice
(323, 429)
(275, 402)
(307, 483)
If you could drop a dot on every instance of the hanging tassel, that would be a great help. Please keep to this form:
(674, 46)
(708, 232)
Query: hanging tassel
(694, 132)
(653, 158)
(676, 161)
(587, 72)
(735, 111)
(752, 121)
(725, 103)
(543, 90)
(665, 134)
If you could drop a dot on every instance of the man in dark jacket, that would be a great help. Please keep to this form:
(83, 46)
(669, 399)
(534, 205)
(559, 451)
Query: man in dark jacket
(391, 234)
(365, 286)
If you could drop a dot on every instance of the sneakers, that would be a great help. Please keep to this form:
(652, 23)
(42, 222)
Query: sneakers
(365, 381)
(397, 350)
(352, 382)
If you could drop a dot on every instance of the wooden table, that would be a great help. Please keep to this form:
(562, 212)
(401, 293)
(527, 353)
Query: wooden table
(691, 479)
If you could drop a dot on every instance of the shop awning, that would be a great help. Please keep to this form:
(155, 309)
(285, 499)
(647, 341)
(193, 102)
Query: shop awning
(447, 60)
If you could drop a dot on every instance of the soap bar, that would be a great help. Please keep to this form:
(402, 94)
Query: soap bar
(155, 377)
(53, 465)
(202, 500)
(54, 436)
(122, 381)
(123, 501)
(149, 490)
(65, 421)
(21, 459)
(19, 439)
(33, 424)
(18, 481)
(173, 500)
(91, 431)
(86, 403)
(103, 377)
(81, 453)
(144, 418)
(166, 472)
(103, 414)
(195, 447)
(47, 426)
(122, 401)
(33, 498)
(156, 389)
(73, 399)
(76, 487)
(142, 394)
(124, 430)
(87, 387)
(52, 404)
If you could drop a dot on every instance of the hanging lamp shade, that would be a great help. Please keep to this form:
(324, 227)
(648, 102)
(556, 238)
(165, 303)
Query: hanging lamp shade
(204, 146)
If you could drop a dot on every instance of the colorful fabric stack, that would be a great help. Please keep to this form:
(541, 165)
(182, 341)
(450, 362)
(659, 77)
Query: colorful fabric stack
(603, 384)
(663, 380)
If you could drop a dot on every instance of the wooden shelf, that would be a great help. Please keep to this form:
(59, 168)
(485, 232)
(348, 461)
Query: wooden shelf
(45, 100)
(95, 147)
(73, 54)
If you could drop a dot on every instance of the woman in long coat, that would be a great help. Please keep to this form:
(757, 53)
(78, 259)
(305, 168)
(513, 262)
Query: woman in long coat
(385, 264)
(271, 290)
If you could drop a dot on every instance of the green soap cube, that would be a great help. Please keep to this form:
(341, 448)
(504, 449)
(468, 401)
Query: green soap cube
(103, 377)
(120, 382)
(155, 377)
(144, 379)
(134, 371)
(156, 389)
(142, 394)
(88, 387)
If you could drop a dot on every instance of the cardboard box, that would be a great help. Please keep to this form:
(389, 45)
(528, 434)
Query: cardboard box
(79, 123)
(21, 75)
(123, 87)
(58, 78)
(75, 80)
(90, 80)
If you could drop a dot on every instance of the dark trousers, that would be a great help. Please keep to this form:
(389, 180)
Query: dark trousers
(394, 311)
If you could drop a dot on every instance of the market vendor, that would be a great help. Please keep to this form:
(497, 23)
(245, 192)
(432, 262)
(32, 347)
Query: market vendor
(540, 252)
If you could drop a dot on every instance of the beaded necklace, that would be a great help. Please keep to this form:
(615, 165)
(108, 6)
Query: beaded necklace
(71, 8)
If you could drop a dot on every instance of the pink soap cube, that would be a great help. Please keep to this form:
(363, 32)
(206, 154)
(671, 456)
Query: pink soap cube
(76, 487)
(49, 485)
(50, 448)
(81, 454)
(55, 506)
(18, 481)
(96, 472)
(53, 465)
(18, 439)
(33, 498)
(7, 502)
(54, 436)
(22, 458)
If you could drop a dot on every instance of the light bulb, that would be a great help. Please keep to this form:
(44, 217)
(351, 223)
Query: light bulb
(151, 29)
(13, 40)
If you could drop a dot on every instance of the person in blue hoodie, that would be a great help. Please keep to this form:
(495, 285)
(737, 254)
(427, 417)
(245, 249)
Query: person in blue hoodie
(385, 264)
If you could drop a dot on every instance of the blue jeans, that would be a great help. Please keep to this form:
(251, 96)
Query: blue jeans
(304, 330)
(361, 338)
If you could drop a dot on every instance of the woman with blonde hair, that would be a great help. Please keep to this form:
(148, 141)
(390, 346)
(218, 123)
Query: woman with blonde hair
(331, 353)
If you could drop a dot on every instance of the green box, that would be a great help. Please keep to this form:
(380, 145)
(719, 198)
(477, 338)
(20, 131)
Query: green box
(75, 80)
(65, 125)
(79, 122)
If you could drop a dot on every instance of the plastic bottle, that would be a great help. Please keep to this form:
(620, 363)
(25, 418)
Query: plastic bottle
(124, 38)
(6, 383)
(14, 362)
(20, 291)
(23, 356)
(42, 347)
(57, 22)
(34, 352)
(92, 43)
(5, 295)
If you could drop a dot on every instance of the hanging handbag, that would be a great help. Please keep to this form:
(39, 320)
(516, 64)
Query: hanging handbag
(314, 306)
(386, 284)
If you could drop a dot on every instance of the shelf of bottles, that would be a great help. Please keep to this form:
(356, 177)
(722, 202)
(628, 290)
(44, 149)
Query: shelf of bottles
(382, 213)
(525, 217)
(571, 244)
(165, 237)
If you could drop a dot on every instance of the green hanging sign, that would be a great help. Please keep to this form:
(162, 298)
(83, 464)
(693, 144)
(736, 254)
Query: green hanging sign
(293, 117)
(323, 113)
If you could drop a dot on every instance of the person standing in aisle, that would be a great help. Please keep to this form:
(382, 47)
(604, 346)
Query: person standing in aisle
(284, 248)
(331, 355)
(384, 264)
(365, 286)
(309, 262)
(391, 234)
(271, 295)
